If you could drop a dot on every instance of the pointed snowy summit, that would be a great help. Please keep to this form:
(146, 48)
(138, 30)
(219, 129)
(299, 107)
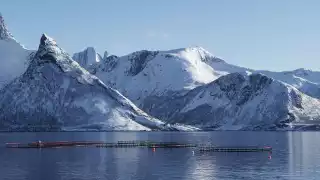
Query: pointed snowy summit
(49, 51)
(46, 40)
(4, 32)
(47, 44)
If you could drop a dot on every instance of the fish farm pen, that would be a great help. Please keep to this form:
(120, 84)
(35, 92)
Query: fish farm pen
(135, 144)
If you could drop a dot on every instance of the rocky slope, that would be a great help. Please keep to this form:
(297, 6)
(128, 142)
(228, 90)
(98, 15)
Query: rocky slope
(55, 93)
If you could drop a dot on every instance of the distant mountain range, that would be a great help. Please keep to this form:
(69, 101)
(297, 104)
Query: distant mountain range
(181, 89)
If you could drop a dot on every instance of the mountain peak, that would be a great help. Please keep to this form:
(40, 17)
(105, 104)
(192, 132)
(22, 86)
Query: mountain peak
(199, 48)
(198, 51)
(4, 32)
(47, 46)
(302, 71)
(191, 48)
(46, 40)
(87, 57)
(90, 48)
(105, 55)
(50, 52)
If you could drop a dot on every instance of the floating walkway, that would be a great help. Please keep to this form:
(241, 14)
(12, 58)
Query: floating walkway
(52, 144)
(235, 149)
(149, 144)
(134, 144)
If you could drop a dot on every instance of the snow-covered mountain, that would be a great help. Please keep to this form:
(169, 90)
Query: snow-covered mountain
(148, 73)
(188, 88)
(14, 57)
(56, 93)
(88, 57)
(162, 83)
(235, 101)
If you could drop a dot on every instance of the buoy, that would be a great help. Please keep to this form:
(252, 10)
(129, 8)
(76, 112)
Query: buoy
(154, 149)
(40, 143)
(269, 157)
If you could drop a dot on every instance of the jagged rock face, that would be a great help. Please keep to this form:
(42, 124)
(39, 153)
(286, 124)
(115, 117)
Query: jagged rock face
(93, 62)
(237, 102)
(87, 57)
(56, 93)
(14, 58)
(106, 65)
(139, 61)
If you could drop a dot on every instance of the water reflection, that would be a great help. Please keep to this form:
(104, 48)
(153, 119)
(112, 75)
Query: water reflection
(203, 168)
(304, 154)
(217, 165)
(295, 156)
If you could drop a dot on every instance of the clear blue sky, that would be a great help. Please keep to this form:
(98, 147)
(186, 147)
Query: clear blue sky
(270, 34)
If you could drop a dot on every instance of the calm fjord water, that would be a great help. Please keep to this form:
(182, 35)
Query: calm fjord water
(296, 155)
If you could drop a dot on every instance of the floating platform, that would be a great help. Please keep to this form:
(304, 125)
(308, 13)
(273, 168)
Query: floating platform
(149, 144)
(235, 149)
(52, 144)
(132, 144)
